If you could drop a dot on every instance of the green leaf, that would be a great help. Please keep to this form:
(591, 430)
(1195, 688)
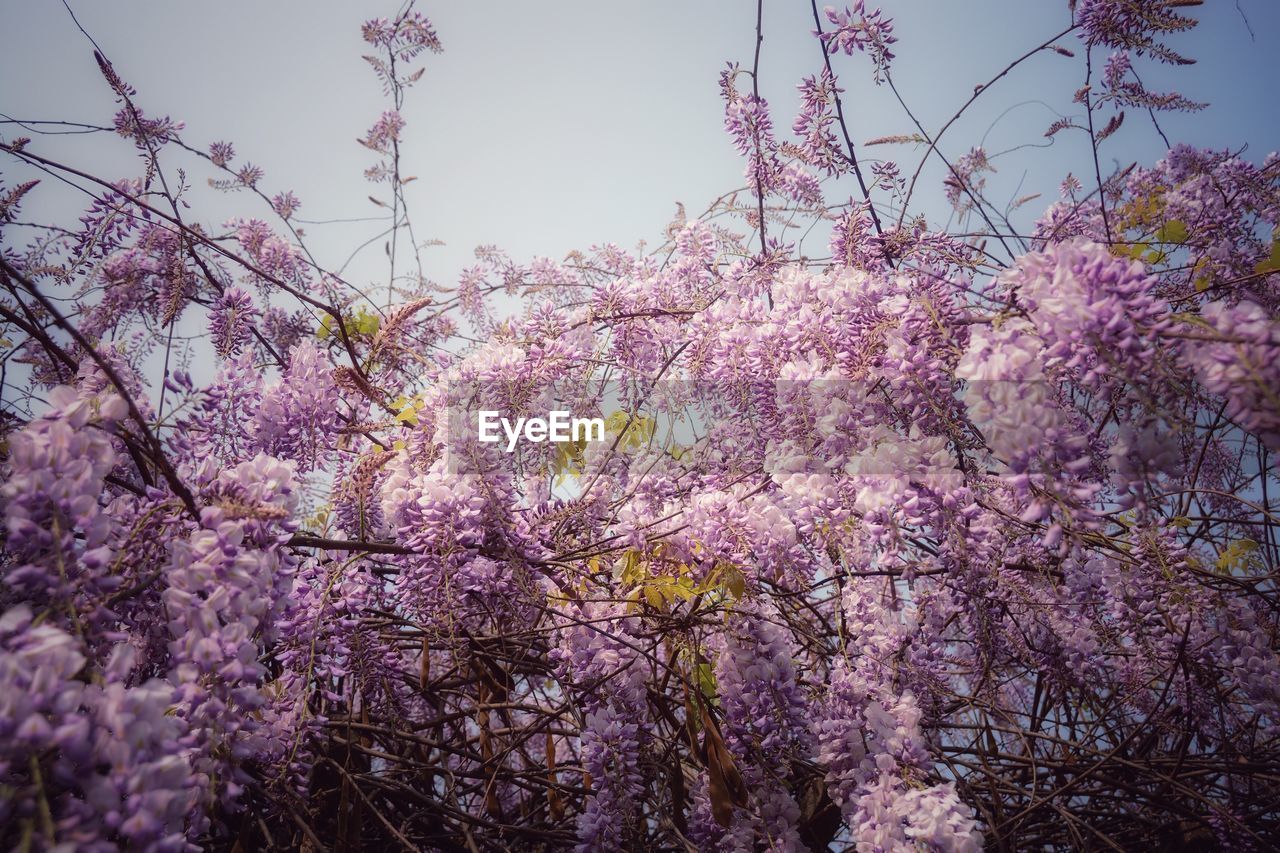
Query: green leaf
(366, 323)
(1173, 231)
(637, 429)
(1271, 264)
(1237, 555)
(735, 583)
(707, 680)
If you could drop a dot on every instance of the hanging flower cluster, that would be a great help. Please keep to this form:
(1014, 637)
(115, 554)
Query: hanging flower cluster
(950, 538)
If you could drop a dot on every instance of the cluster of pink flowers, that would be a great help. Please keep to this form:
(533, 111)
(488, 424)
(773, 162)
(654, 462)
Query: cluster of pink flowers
(384, 133)
(232, 321)
(916, 546)
(862, 31)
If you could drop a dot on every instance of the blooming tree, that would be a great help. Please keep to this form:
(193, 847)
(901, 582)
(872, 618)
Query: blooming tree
(955, 537)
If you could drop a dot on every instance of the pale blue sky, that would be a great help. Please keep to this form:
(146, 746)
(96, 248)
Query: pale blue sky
(551, 126)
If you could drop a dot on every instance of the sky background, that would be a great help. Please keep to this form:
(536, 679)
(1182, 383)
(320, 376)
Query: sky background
(550, 126)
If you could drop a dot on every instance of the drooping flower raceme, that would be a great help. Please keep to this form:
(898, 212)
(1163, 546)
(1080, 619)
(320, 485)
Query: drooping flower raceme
(949, 538)
(297, 416)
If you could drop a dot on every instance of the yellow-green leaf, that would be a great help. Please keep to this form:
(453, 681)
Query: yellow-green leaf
(707, 680)
(1271, 264)
(1173, 231)
(1236, 555)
